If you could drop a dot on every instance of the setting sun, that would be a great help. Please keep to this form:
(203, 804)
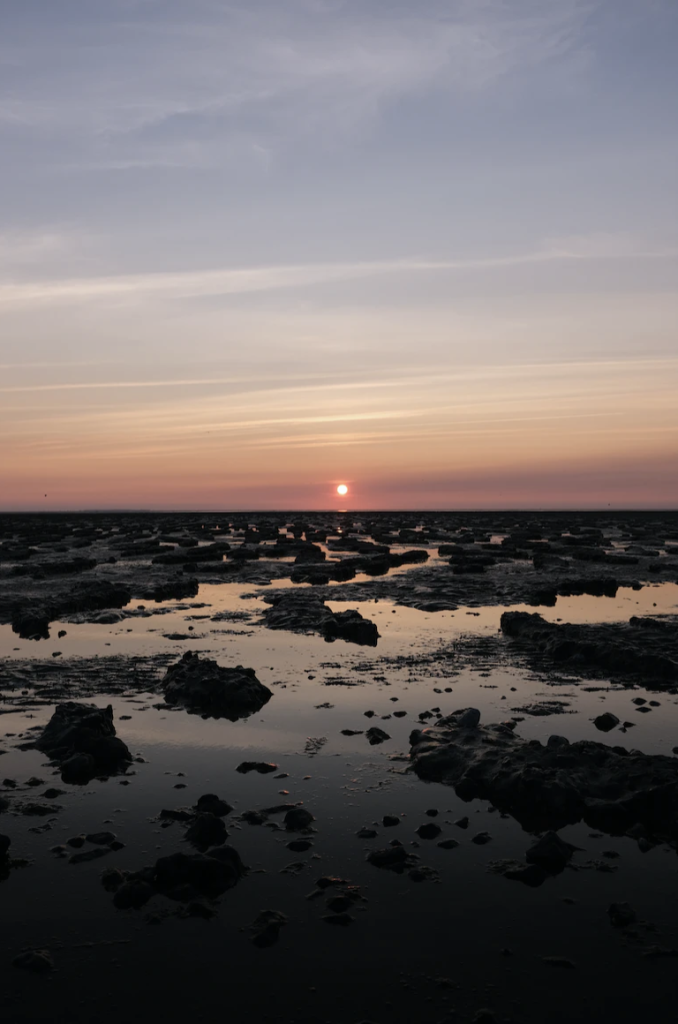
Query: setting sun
(342, 489)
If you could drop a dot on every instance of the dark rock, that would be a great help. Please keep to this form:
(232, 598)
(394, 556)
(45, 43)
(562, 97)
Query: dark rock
(329, 881)
(481, 838)
(176, 814)
(5, 843)
(265, 928)
(376, 735)
(78, 769)
(448, 844)
(209, 875)
(112, 879)
(301, 612)
(367, 833)
(423, 873)
(38, 810)
(299, 845)
(82, 737)
(342, 920)
(468, 718)
(31, 617)
(392, 858)
(298, 818)
(337, 904)
(38, 961)
(83, 858)
(263, 767)
(606, 721)
(547, 787)
(133, 894)
(558, 961)
(621, 915)
(389, 821)
(533, 875)
(207, 830)
(617, 650)
(100, 838)
(204, 687)
(551, 852)
(211, 804)
(429, 831)
(253, 817)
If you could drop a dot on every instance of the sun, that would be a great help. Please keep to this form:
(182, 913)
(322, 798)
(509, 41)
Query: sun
(342, 489)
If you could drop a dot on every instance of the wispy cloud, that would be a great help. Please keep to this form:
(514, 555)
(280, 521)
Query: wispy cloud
(31, 247)
(294, 67)
(239, 281)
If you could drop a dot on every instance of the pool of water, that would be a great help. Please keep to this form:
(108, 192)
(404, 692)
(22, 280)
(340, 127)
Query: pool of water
(468, 940)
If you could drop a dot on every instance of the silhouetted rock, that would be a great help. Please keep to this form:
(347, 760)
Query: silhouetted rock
(620, 650)
(133, 894)
(392, 858)
(265, 928)
(376, 735)
(210, 874)
(606, 722)
(551, 852)
(204, 687)
(263, 767)
(38, 961)
(550, 786)
(298, 818)
(212, 804)
(207, 830)
(82, 738)
(304, 612)
(621, 915)
(31, 617)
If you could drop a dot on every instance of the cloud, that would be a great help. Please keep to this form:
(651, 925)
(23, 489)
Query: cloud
(129, 73)
(28, 248)
(240, 281)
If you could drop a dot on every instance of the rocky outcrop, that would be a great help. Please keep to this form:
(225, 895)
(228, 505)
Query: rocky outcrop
(81, 737)
(204, 687)
(549, 786)
(635, 650)
(31, 617)
(301, 612)
(182, 877)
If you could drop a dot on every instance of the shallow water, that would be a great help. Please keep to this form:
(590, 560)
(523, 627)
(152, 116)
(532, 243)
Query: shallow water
(383, 966)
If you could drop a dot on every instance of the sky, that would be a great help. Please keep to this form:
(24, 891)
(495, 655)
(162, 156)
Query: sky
(252, 250)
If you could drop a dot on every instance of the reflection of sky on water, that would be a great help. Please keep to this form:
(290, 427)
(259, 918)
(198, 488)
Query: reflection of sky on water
(347, 785)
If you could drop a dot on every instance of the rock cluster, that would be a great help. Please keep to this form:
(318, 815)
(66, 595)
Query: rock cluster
(549, 786)
(301, 612)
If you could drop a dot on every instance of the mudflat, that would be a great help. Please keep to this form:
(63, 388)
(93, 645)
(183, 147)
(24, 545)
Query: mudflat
(451, 737)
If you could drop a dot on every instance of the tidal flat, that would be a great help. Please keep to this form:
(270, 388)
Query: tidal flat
(339, 767)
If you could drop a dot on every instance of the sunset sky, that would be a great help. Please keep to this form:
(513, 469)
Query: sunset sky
(251, 250)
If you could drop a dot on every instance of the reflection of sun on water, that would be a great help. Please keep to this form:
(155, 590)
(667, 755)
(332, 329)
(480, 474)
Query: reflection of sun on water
(342, 489)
